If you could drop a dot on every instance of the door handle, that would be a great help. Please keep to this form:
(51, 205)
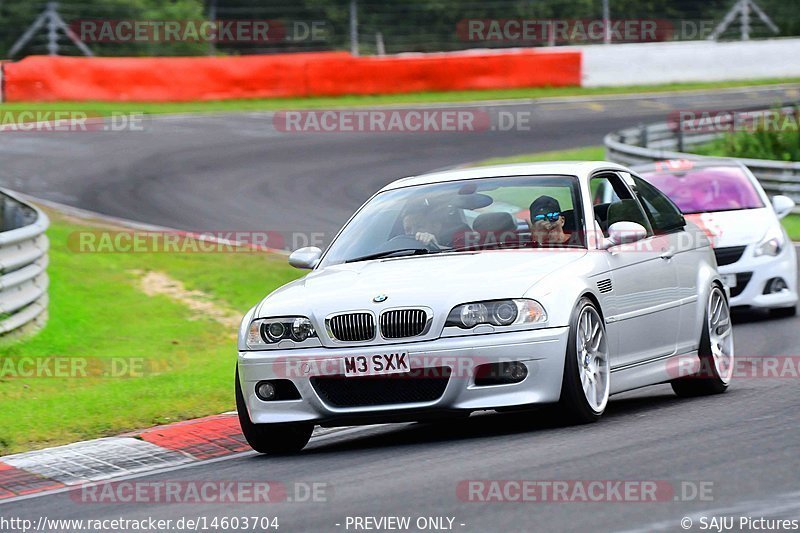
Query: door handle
(667, 254)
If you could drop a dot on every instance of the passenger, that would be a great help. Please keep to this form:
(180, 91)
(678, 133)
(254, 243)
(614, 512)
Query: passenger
(547, 222)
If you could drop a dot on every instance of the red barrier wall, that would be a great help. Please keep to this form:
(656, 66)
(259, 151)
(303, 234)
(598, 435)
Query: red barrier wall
(165, 79)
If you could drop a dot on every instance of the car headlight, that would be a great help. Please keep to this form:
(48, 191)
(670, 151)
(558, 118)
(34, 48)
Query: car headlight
(265, 332)
(497, 313)
(771, 244)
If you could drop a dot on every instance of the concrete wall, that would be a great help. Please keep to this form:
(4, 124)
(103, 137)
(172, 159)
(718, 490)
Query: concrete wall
(656, 63)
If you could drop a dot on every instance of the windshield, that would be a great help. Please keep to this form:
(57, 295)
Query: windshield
(707, 189)
(477, 214)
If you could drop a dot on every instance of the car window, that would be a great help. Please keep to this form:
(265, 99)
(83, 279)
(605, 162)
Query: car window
(664, 216)
(602, 191)
(614, 202)
(476, 214)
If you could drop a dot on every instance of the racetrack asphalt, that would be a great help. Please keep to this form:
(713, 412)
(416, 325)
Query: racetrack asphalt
(227, 172)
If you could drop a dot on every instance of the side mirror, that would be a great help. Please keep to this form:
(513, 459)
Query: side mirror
(307, 257)
(782, 205)
(624, 233)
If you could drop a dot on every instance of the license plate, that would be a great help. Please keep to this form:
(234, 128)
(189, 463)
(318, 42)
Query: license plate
(729, 280)
(376, 365)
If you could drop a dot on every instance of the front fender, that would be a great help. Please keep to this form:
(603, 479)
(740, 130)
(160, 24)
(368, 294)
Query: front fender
(560, 291)
(707, 275)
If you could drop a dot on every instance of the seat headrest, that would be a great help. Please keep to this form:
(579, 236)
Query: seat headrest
(497, 222)
(601, 211)
(626, 211)
(569, 220)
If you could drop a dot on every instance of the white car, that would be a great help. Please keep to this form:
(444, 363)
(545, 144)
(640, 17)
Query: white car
(486, 289)
(755, 256)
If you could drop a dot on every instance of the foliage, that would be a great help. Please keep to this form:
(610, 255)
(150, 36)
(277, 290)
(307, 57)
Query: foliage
(406, 25)
(780, 142)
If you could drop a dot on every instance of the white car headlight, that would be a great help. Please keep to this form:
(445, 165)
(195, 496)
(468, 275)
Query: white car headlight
(771, 244)
(266, 332)
(497, 313)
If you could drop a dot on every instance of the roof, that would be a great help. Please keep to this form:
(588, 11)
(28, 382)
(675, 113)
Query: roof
(565, 168)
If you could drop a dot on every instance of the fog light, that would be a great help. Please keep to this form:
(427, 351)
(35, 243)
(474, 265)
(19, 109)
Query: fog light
(500, 373)
(517, 371)
(265, 391)
(775, 285)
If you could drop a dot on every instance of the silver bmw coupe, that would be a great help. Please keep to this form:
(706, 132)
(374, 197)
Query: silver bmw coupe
(487, 289)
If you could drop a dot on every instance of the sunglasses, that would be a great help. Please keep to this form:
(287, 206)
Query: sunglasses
(552, 217)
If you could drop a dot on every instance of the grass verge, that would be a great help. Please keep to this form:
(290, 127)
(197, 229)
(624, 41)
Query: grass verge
(108, 108)
(760, 144)
(159, 361)
(597, 153)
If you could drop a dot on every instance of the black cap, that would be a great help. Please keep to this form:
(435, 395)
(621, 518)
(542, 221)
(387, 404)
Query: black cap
(544, 204)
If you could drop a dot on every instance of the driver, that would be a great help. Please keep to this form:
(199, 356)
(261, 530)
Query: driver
(423, 226)
(547, 222)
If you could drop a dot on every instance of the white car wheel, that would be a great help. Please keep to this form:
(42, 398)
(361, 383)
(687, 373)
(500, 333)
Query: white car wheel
(592, 352)
(715, 350)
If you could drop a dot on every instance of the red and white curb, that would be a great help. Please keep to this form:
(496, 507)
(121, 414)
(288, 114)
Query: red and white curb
(158, 448)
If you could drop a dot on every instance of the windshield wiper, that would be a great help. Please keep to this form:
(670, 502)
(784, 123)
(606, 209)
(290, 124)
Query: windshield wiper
(391, 253)
(489, 246)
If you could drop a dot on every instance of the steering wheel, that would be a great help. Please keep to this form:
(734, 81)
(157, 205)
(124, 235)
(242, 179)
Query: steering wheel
(407, 241)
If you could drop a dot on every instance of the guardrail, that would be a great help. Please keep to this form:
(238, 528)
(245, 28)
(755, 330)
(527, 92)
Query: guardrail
(647, 143)
(23, 266)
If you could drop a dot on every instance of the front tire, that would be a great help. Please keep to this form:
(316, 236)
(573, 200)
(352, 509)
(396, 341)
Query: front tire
(271, 438)
(586, 382)
(715, 351)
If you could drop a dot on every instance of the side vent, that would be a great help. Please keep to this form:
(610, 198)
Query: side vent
(604, 286)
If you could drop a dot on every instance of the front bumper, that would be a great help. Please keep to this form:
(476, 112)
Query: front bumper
(542, 351)
(753, 273)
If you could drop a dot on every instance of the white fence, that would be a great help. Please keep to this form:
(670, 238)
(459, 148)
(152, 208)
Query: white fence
(689, 61)
(23, 266)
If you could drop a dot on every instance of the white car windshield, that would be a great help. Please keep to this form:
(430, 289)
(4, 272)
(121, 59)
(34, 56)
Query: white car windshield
(707, 189)
(465, 215)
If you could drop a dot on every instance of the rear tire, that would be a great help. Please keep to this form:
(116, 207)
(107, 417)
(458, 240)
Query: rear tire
(271, 438)
(586, 382)
(715, 351)
(783, 312)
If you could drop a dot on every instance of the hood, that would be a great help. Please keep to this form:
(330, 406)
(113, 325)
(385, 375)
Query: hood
(435, 281)
(735, 228)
